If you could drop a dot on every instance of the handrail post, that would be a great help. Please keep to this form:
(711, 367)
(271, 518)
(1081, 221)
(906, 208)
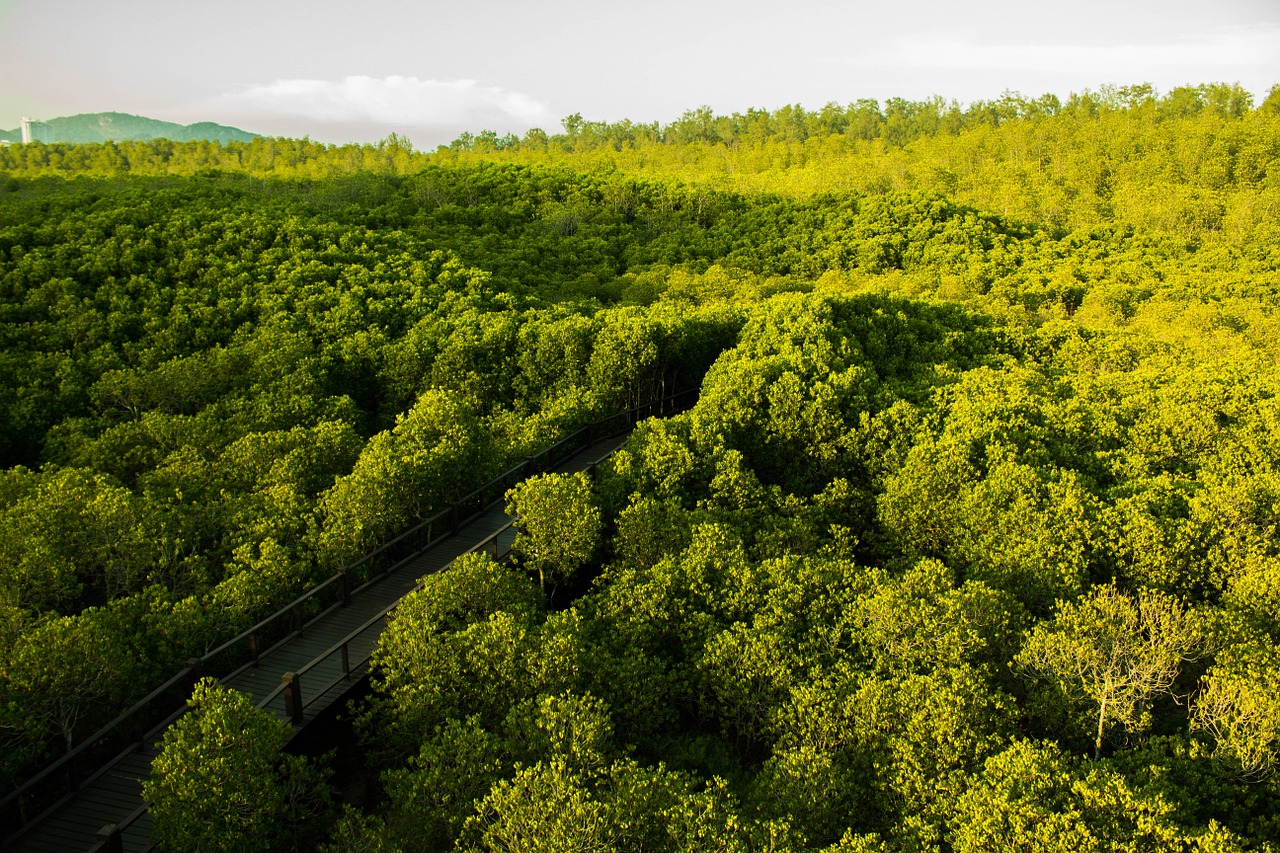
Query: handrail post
(346, 662)
(345, 581)
(195, 666)
(293, 697)
(110, 839)
(253, 647)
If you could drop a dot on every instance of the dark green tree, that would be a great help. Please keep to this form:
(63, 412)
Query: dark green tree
(222, 780)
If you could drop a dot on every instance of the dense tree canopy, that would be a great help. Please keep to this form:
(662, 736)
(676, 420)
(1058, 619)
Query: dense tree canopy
(970, 541)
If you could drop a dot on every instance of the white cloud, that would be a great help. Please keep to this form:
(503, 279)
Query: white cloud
(1224, 52)
(360, 107)
(975, 65)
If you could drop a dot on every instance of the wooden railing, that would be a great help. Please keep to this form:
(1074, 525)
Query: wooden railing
(289, 699)
(147, 718)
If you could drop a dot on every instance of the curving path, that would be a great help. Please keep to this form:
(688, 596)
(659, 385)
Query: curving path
(113, 795)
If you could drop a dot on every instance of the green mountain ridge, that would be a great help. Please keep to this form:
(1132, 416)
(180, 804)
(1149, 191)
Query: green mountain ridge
(101, 127)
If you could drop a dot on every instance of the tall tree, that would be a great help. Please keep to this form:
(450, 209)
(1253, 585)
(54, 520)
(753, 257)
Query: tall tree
(1110, 654)
(559, 524)
(223, 782)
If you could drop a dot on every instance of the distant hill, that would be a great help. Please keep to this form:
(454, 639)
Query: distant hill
(99, 127)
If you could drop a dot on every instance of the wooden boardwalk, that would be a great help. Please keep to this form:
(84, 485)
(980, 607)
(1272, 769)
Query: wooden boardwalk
(114, 794)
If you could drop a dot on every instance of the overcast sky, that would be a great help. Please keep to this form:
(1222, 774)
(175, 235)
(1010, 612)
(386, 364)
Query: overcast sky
(344, 71)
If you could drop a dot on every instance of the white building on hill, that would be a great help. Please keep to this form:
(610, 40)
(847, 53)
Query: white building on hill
(36, 131)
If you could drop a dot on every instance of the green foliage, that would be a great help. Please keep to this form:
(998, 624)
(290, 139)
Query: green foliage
(987, 391)
(60, 673)
(921, 621)
(216, 391)
(559, 524)
(1033, 797)
(1111, 654)
(68, 530)
(1240, 706)
(421, 465)
(455, 648)
(625, 807)
(434, 795)
(223, 782)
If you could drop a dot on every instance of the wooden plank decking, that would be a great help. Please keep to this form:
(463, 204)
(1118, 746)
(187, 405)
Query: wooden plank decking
(115, 793)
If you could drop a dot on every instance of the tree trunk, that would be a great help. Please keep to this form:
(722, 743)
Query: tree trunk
(1102, 718)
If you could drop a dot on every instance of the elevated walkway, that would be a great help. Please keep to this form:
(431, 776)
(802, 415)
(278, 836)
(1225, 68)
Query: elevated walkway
(296, 663)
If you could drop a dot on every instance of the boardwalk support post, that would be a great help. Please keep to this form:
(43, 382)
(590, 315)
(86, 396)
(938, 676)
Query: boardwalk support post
(293, 697)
